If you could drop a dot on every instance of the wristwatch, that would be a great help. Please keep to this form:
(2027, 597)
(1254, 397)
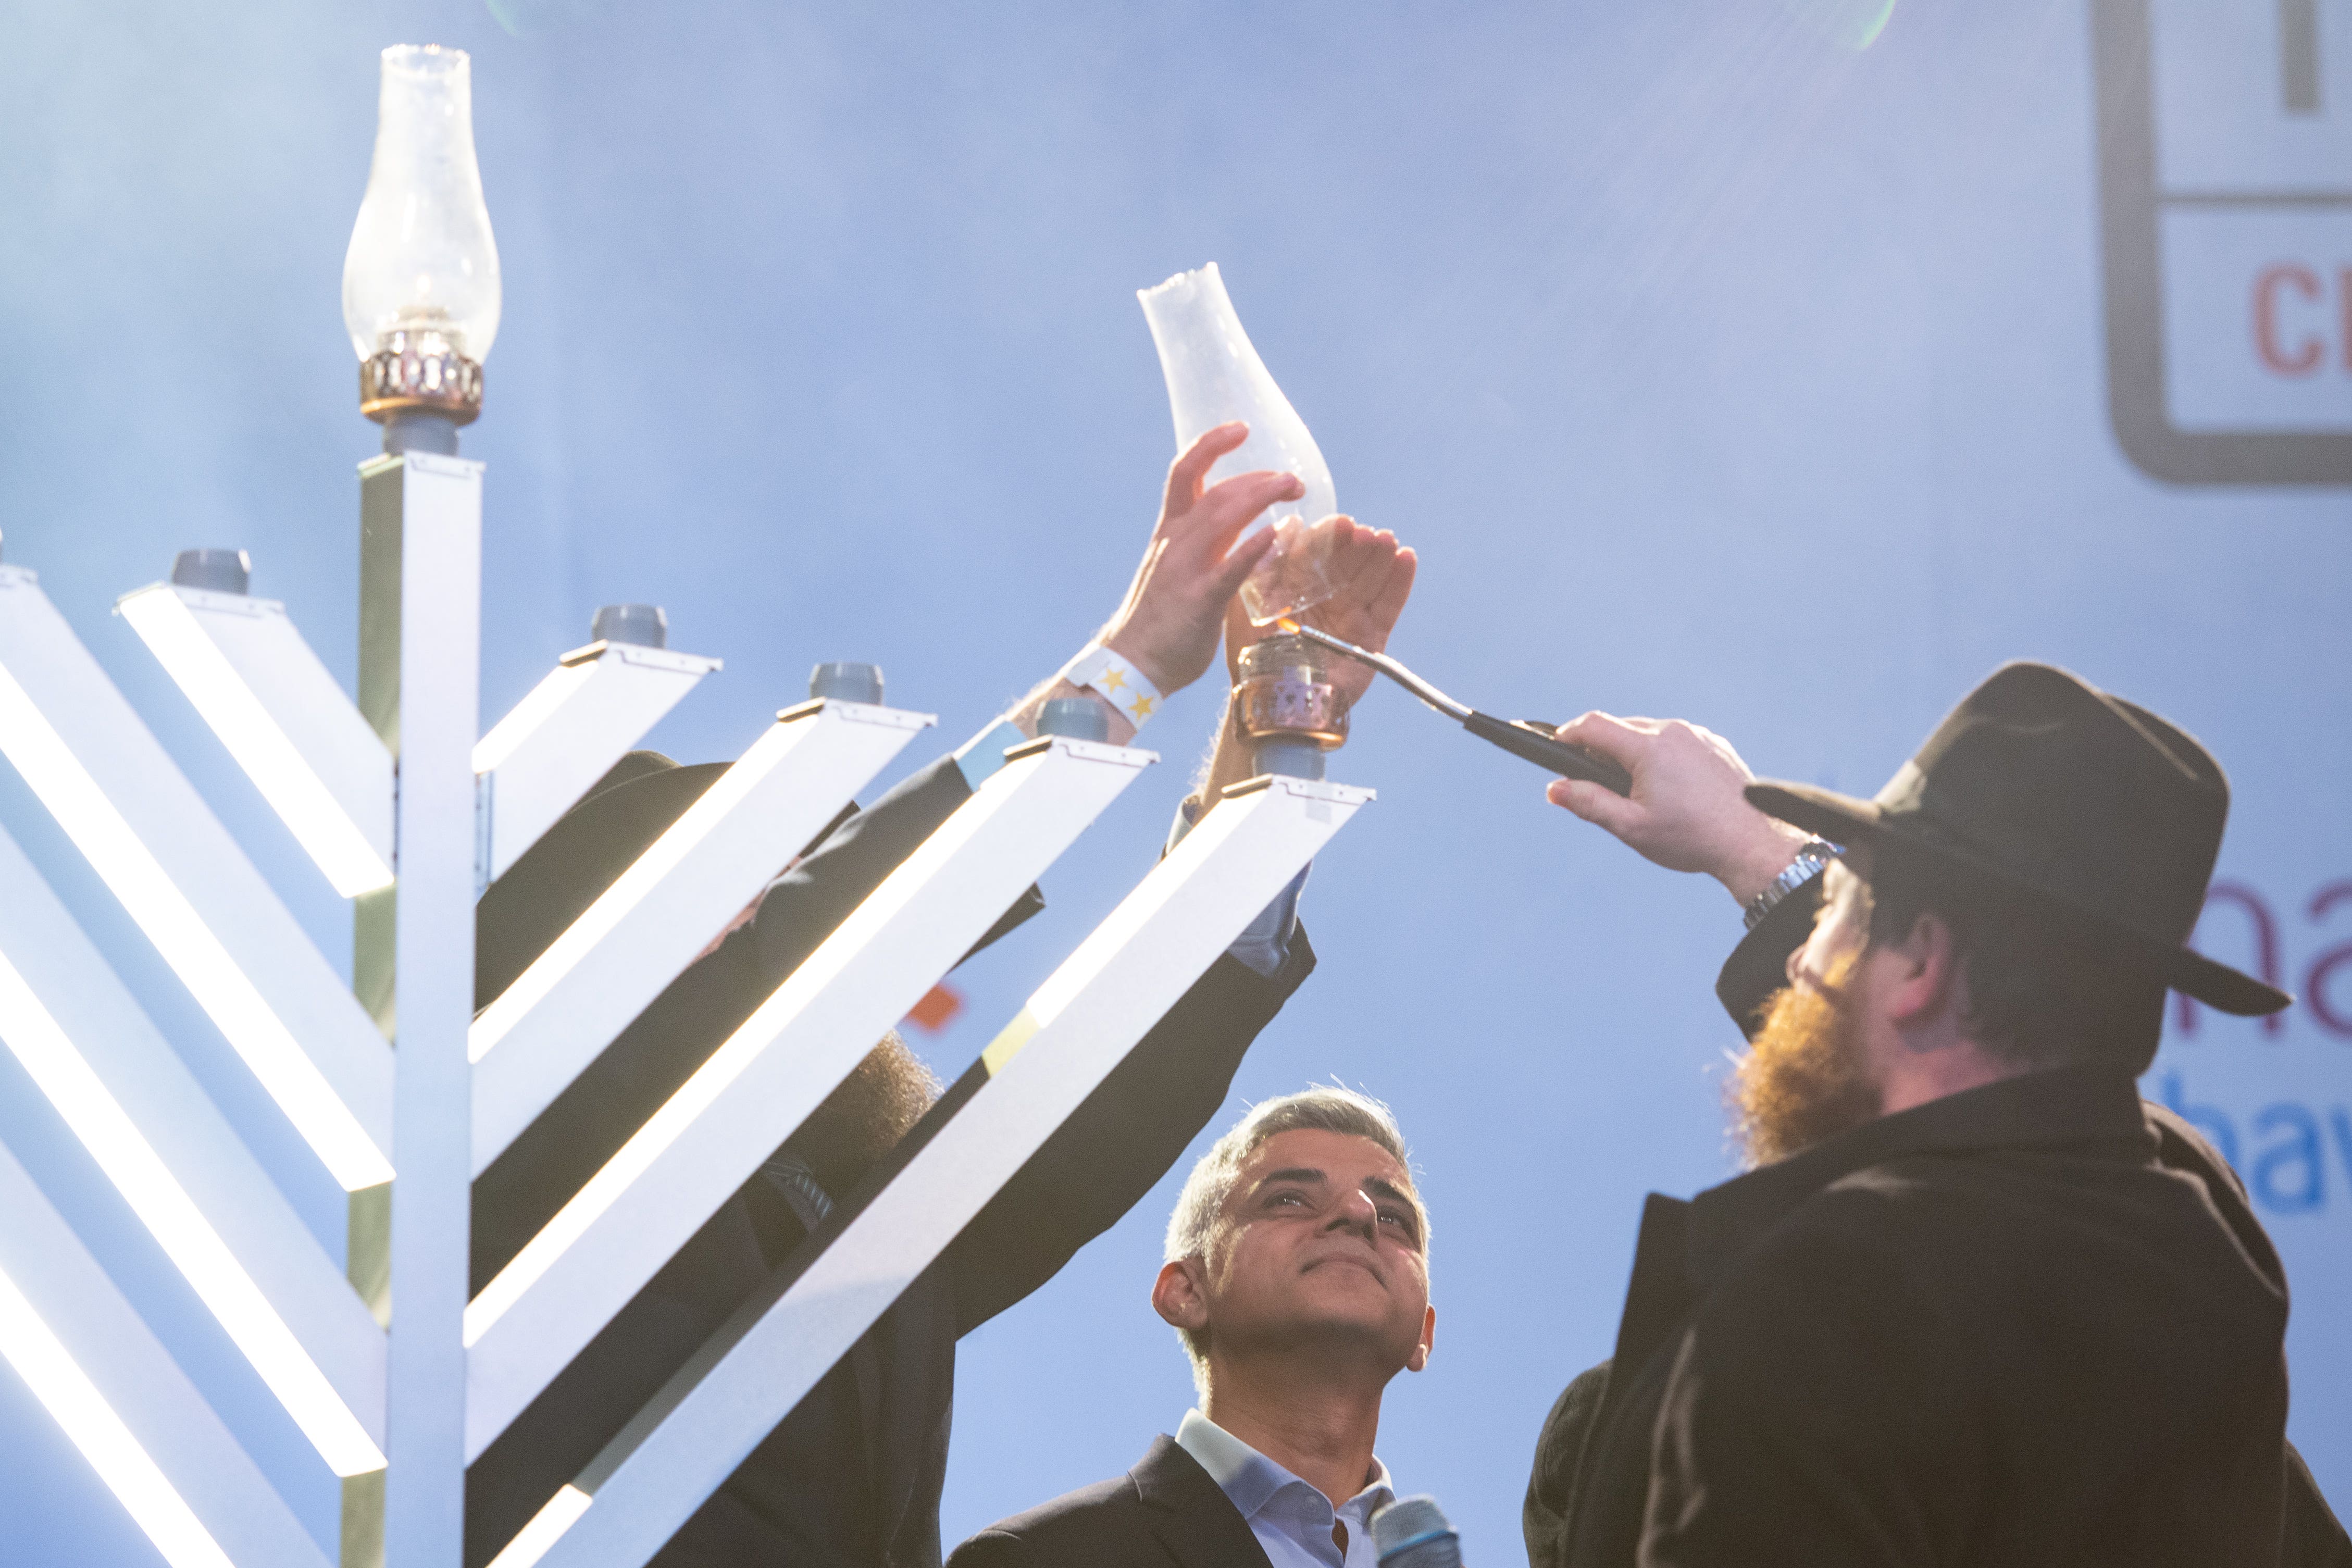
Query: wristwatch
(1813, 857)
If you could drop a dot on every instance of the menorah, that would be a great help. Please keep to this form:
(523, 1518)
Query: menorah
(400, 1089)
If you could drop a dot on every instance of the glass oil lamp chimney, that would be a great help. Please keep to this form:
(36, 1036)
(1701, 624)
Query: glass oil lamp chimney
(421, 278)
(1287, 705)
(1214, 375)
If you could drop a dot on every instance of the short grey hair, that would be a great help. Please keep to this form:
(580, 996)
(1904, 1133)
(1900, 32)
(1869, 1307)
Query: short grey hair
(1324, 1108)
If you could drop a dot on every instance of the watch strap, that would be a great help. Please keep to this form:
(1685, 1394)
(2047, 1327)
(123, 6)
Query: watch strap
(1812, 857)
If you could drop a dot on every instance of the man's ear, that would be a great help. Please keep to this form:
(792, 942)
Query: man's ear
(1419, 1357)
(1181, 1296)
(1924, 981)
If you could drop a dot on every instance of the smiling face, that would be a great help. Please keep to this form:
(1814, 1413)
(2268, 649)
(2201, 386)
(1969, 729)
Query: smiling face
(1316, 1251)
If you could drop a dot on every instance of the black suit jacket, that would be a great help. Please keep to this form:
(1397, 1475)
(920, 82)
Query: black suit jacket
(851, 1478)
(1164, 1513)
(2032, 1323)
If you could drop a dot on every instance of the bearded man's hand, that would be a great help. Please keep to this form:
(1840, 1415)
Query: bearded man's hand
(1687, 811)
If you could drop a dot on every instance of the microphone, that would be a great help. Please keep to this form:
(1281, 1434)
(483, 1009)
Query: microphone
(1414, 1532)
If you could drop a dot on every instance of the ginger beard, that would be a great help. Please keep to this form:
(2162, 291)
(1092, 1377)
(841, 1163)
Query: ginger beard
(1806, 1075)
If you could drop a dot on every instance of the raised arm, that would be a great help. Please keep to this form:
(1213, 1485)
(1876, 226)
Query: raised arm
(1685, 812)
(1167, 626)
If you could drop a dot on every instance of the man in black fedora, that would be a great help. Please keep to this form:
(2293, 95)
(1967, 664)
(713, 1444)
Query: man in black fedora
(851, 1478)
(1975, 1301)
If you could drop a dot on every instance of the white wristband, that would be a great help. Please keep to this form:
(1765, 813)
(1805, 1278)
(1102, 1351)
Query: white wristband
(1119, 682)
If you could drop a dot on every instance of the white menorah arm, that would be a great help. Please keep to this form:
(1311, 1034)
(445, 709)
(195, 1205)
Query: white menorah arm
(1077, 1026)
(568, 730)
(759, 1086)
(301, 740)
(125, 1403)
(184, 882)
(539, 1034)
(126, 1095)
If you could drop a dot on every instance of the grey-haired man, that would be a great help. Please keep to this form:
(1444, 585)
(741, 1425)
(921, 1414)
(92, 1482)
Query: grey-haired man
(1297, 1279)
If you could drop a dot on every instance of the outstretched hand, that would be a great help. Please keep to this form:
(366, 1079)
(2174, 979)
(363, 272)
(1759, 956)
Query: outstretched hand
(1371, 576)
(1168, 625)
(1687, 811)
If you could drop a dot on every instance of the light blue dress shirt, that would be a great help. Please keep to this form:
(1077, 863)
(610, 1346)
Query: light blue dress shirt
(1291, 1520)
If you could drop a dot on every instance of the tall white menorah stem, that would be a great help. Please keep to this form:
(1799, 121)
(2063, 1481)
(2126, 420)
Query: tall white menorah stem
(420, 635)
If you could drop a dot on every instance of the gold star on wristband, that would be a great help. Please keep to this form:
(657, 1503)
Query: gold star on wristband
(1116, 681)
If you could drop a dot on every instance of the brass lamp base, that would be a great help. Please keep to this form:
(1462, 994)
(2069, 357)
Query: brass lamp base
(1285, 692)
(420, 372)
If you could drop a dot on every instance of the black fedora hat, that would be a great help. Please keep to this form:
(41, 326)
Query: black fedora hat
(2100, 812)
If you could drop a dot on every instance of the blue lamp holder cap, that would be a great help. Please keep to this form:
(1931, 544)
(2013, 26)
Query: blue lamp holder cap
(642, 624)
(215, 571)
(848, 683)
(1074, 718)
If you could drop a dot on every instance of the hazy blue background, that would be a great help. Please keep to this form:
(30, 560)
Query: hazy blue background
(1716, 365)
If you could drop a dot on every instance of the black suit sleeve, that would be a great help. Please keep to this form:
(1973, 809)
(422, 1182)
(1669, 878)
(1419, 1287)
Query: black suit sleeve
(1548, 1513)
(728, 1257)
(805, 905)
(991, 1548)
(2313, 1538)
(1122, 1138)
(644, 1066)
